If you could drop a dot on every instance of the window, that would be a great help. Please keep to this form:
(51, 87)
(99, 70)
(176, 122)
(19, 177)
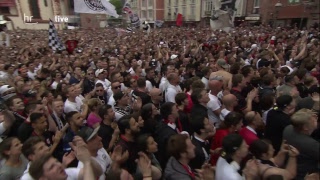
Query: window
(144, 14)
(150, 3)
(192, 10)
(256, 4)
(4, 10)
(176, 3)
(209, 6)
(193, 1)
(294, 1)
(256, 7)
(34, 7)
(184, 11)
(45, 3)
(150, 15)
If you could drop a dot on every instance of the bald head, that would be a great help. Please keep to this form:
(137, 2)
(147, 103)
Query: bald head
(229, 99)
(154, 92)
(249, 117)
(215, 85)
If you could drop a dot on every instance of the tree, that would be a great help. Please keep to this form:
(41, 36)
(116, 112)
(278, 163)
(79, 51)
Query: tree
(118, 5)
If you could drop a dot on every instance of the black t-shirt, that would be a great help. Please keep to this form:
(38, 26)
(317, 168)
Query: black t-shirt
(105, 132)
(303, 90)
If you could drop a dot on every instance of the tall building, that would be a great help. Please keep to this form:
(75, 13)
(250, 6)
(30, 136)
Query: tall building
(20, 11)
(190, 10)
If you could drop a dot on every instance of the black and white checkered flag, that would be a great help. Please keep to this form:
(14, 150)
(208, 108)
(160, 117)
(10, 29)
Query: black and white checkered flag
(54, 41)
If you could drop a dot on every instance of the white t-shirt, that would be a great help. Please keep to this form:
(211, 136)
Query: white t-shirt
(171, 92)
(148, 85)
(2, 128)
(73, 173)
(103, 159)
(205, 82)
(32, 75)
(226, 171)
(163, 84)
(213, 105)
(73, 106)
(224, 112)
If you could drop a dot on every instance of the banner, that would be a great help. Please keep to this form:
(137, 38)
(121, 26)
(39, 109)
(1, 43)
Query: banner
(224, 14)
(134, 18)
(95, 7)
(158, 23)
(179, 20)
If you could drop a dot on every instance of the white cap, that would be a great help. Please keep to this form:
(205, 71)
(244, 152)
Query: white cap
(98, 71)
(173, 56)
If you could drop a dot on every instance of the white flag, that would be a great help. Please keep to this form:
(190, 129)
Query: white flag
(95, 7)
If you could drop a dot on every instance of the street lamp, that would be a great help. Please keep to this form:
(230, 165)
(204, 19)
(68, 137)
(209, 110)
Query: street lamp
(277, 6)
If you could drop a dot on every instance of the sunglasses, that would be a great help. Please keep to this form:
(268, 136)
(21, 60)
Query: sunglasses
(117, 87)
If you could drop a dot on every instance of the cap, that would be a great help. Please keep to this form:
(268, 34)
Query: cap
(231, 143)
(118, 95)
(283, 101)
(153, 63)
(173, 56)
(254, 46)
(263, 63)
(222, 63)
(98, 71)
(7, 92)
(87, 133)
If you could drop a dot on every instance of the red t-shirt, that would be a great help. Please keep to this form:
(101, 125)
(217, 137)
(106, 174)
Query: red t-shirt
(217, 142)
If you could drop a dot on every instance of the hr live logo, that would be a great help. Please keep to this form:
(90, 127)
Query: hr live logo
(57, 19)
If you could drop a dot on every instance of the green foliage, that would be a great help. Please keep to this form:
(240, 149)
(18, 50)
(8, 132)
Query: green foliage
(118, 5)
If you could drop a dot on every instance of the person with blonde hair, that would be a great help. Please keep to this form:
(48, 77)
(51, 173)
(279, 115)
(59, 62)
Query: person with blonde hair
(304, 122)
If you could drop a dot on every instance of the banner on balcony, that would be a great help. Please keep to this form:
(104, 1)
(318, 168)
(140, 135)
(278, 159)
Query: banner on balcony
(224, 14)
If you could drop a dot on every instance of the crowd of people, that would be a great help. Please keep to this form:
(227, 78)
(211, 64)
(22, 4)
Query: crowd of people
(174, 104)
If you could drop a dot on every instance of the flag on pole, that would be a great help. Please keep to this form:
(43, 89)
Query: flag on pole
(54, 41)
(146, 27)
(95, 7)
(224, 14)
(134, 18)
(179, 19)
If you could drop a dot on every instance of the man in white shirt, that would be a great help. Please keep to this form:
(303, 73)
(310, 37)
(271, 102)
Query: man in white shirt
(101, 78)
(74, 102)
(214, 105)
(206, 74)
(173, 87)
(32, 73)
(163, 81)
(95, 147)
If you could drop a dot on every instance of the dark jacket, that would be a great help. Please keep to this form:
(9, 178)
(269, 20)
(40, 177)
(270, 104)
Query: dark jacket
(161, 135)
(200, 159)
(174, 171)
(276, 122)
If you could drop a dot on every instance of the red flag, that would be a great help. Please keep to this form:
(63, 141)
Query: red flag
(71, 45)
(179, 20)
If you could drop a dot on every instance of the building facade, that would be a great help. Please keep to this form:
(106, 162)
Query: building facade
(190, 10)
(148, 10)
(300, 13)
(20, 11)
